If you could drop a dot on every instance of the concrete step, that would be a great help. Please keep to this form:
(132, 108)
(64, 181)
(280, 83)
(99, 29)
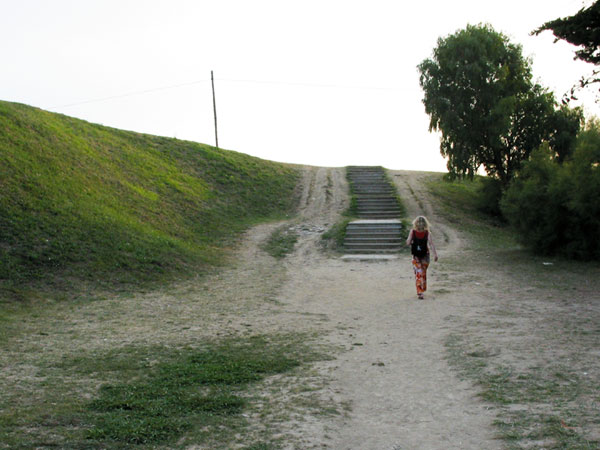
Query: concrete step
(379, 215)
(363, 243)
(395, 241)
(370, 181)
(375, 236)
(367, 238)
(374, 230)
(375, 233)
(373, 225)
(390, 216)
(378, 231)
(374, 242)
(371, 187)
(378, 208)
(372, 193)
(371, 251)
(377, 201)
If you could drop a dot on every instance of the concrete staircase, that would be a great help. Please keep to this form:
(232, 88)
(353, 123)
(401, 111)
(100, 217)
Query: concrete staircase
(378, 232)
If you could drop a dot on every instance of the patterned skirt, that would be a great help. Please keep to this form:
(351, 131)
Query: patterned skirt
(420, 266)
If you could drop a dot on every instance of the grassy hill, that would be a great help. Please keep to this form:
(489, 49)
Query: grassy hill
(84, 203)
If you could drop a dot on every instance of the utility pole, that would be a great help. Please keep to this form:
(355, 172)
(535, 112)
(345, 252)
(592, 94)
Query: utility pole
(212, 79)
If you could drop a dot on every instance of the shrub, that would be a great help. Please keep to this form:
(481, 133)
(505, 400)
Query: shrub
(556, 207)
(530, 207)
(583, 177)
(490, 194)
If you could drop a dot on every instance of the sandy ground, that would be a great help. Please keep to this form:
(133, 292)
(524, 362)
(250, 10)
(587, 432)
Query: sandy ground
(389, 383)
(394, 374)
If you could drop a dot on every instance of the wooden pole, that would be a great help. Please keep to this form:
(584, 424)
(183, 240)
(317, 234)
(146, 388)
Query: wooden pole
(212, 79)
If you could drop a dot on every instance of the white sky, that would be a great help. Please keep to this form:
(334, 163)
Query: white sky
(319, 82)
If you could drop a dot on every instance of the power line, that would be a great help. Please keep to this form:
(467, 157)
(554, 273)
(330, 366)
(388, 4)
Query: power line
(317, 85)
(228, 80)
(130, 94)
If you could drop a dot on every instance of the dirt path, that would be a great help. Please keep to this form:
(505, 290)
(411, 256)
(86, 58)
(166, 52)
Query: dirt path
(393, 371)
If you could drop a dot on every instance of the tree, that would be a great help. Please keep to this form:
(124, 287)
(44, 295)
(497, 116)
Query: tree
(582, 30)
(478, 92)
(555, 207)
(565, 125)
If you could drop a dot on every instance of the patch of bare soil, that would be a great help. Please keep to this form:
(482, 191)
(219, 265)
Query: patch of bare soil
(393, 373)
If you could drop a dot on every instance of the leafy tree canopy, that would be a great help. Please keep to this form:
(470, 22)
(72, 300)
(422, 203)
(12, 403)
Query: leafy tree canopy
(582, 30)
(478, 92)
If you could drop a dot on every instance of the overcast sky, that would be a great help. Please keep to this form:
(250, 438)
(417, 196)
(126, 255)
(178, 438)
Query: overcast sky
(325, 82)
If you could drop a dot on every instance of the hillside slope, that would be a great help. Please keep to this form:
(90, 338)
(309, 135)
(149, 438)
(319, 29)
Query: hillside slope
(84, 202)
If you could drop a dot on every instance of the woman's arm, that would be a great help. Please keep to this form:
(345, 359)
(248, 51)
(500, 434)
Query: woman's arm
(432, 247)
(410, 238)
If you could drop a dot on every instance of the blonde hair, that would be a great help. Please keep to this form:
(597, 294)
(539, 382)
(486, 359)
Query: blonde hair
(422, 222)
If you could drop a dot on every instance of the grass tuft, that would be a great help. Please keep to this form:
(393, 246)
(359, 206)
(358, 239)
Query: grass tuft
(281, 242)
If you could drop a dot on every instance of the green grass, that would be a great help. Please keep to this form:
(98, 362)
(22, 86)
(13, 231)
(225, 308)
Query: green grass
(460, 201)
(333, 238)
(152, 396)
(192, 389)
(87, 204)
(281, 242)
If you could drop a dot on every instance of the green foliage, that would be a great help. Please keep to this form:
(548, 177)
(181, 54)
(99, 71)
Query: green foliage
(583, 177)
(565, 123)
(490, 194)
(462, 203)
(530, 206)
(581, 30)
(556, 208)
(333, 238)
(90, 203)
(281, 242)
(478, 92)
(189, 390)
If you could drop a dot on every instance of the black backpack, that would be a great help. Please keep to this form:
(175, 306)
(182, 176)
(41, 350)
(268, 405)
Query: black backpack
(419, 246)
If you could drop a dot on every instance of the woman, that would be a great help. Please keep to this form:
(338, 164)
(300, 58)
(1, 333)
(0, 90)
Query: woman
(421, 243)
